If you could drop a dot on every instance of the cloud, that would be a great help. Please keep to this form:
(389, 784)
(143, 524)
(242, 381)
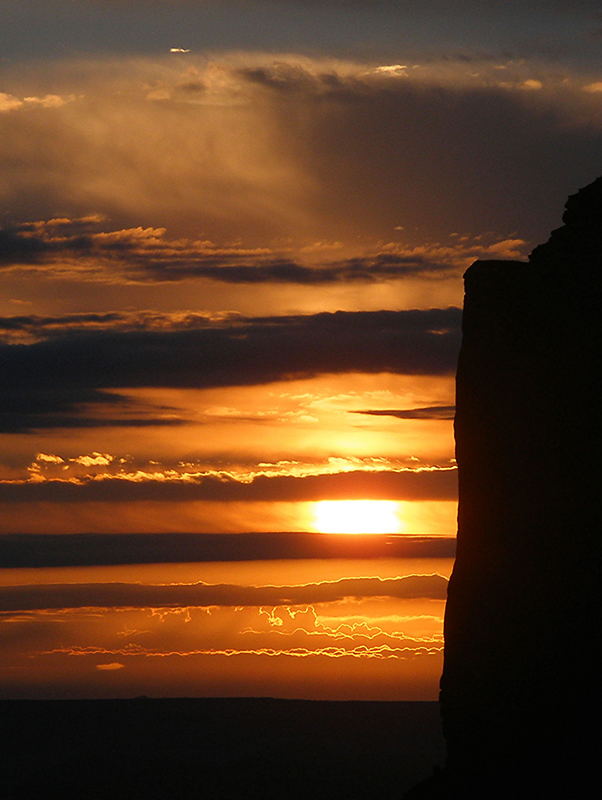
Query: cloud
(429, 412)
(20, 423)
(46, 550)
(93, 460)
(348, 627)
(9, 102)
(380, 652)
(71, 367)
(100, 466)
(27, 329)
(49, 458)
(531, 84)
(60, 249)
(126, 595)
(407, 484)
(257, 148)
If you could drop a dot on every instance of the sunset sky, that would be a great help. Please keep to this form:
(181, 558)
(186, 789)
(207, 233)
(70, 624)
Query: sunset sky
(232, 235)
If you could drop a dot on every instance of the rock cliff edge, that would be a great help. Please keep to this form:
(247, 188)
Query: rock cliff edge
(520, 687)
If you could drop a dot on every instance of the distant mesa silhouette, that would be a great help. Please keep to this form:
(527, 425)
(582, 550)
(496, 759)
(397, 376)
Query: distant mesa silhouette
(520, 690)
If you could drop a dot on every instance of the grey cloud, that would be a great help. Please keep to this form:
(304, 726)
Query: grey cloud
(382, 266)
(357, 156)
(15, 247)
(111, 595)
(27, 328)
(48, 550)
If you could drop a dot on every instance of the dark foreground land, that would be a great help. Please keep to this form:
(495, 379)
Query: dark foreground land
(215, 748)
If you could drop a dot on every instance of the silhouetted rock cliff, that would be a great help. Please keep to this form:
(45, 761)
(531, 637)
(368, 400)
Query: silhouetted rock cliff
(520, 688)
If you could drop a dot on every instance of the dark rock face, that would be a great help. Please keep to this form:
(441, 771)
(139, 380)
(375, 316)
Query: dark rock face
(520, 687)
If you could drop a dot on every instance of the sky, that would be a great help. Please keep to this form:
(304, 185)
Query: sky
(232, 238)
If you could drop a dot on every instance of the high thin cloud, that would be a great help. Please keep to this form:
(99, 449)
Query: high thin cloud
(50, 380)
(260, 149)
(127, 595)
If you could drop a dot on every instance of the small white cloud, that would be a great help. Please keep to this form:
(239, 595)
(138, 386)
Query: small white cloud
(49, 458)
(179, 50)
(9, 102)
(93, 460)
(50, 100)
(531, 84)
(394, 70)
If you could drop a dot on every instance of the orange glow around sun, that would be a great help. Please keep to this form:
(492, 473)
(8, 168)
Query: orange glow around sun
(357, 516)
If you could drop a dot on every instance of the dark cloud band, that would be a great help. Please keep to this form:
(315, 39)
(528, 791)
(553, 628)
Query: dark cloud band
(111, 595)
(429, 484)
(79, 550)
(51, 379)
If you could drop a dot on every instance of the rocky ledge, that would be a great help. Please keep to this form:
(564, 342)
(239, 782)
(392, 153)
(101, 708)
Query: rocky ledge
(520, 687)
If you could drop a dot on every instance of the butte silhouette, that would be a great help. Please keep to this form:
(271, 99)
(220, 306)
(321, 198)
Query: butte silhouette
(521, 681)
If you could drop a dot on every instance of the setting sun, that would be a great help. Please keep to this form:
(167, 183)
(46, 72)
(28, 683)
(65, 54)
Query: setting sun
(357, 516)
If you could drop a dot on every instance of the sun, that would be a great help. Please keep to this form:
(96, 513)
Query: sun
(357, 516)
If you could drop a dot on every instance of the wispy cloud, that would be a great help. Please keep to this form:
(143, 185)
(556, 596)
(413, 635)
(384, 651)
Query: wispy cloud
(76, 249)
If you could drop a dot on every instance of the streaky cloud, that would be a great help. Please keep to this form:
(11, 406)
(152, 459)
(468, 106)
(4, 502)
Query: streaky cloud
(79, 249)
(426, 413)
(78, 550)
(380, 652)
(132, 595)
(406, 484)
